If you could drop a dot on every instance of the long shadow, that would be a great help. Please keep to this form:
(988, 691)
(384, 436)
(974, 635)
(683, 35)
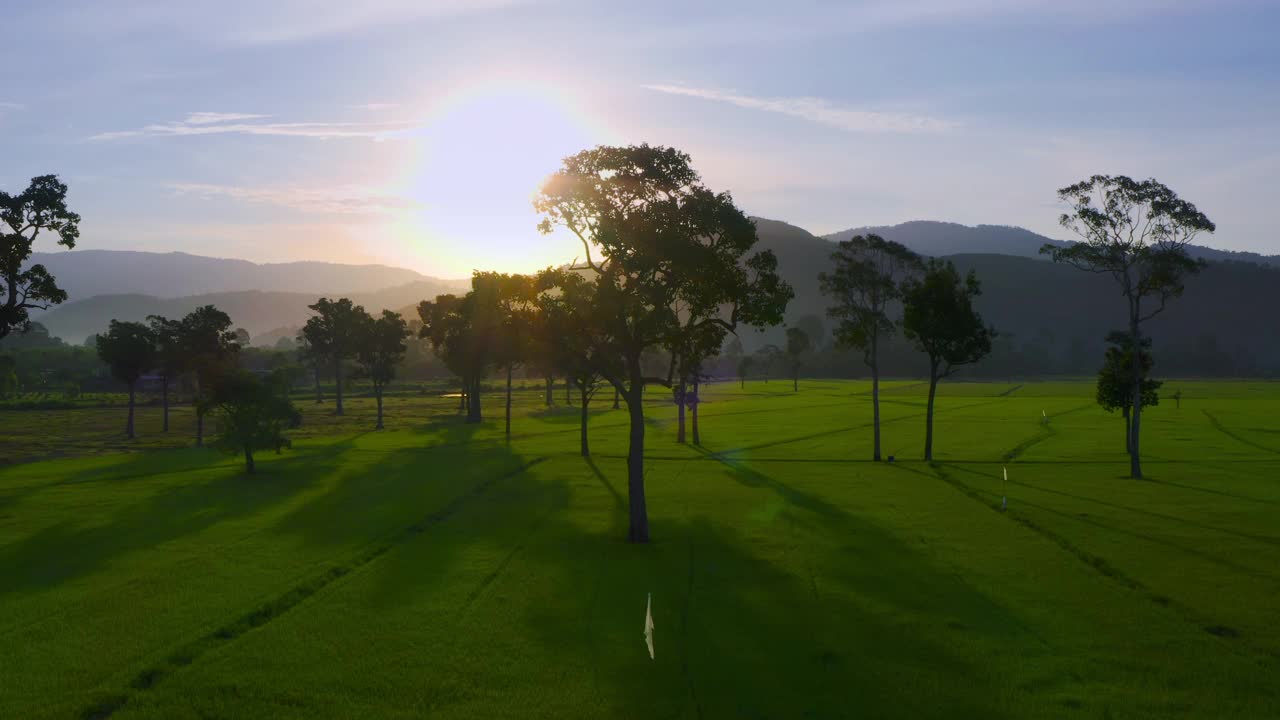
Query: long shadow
(74, 548)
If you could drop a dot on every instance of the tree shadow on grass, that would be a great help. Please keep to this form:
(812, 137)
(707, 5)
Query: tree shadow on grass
(76, 547)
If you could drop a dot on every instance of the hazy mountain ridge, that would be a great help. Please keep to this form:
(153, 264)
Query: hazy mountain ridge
(265, 314)
(88, 273)
(930, 237)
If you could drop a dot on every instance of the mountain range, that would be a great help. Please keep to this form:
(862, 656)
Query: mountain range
(1051, 317)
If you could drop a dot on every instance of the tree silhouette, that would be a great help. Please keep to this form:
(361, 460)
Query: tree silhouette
(460, 330)
(42, 207)
(797, 345)
(569, 326)
(507, 302)
(312, 358)
(381, 347)
(1114, 391)
(868, 275)
(255, 413)
(333, 332)
(938, 317)
(209, 347)
(129, 349)
(170, 356)
(667, 257)
(742, 368)
(1137, 232)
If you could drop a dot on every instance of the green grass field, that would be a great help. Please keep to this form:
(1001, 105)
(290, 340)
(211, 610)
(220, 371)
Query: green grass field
(432, 570)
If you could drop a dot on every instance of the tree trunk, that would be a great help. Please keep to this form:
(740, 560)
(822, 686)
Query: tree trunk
(377, 391)
(568, 398)
(615, 398)
(639, 516)
(1135, 460)
(319, 394)
(795, 379)
(128, 427)
(337, 382)
(742, 382)
(164, 401)
(550, 381)
(928, 426)
(508, 423)
(697, 439)
(586, 449)
(248, 460)
(473, 402)
(199, 427)
(875, 408)
(462, 397)
(680, 413)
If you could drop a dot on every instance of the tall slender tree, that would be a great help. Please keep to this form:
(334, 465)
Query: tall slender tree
(797, 345)
(938, 316)
(1137, 232)
(508, 302)
(170, 357)
(208, 347)
(380, 349)
(462, 334)
(867, 276)
(334, 333)
(1114, 391)
(41, 208)
(129, 349)
(666, 256)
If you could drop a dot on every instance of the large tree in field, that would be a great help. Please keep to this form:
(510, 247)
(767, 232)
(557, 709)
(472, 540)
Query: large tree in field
(311, 358)
(1114, 391)
(867, 276)
(381, 347)
(667, 256)
(209, 348)
(334, 332)
(255, 412)
(1137, 232)
(689, 354)
(41, 208)
(170, 356)
(938, 316)
(569, 326)
(461, 332)
(508, 303)
(129, 349)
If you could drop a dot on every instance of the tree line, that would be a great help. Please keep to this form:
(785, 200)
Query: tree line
(668, 270)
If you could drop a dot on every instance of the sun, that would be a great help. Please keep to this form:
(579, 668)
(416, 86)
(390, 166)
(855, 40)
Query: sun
(482, 154)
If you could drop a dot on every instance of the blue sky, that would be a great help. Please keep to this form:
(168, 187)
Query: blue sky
(413, 131)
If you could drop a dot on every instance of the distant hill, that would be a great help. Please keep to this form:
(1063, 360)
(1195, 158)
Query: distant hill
(266, 315)
(1053, 318)
(86, 273)
(929, 237)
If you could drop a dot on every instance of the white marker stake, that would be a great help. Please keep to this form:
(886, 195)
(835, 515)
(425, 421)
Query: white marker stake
(1004, 501)
(648, 624)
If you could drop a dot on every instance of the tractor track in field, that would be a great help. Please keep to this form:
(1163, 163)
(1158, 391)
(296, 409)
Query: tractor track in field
(1099, 564)
(1235, 436)
(108, 704)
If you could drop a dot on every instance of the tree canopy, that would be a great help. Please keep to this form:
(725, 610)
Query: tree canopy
(41, 208)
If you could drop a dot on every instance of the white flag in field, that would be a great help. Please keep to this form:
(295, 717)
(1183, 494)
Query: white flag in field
(648, 624)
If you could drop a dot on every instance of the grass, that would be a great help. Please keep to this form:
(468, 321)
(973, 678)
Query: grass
(434, 570)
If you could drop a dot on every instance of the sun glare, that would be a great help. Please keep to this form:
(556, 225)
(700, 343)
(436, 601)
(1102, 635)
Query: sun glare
(481, 156)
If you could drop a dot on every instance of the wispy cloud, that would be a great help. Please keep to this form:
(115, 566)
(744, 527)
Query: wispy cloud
(212, 123)
(818, 111)
(12, 106)
(339, 200)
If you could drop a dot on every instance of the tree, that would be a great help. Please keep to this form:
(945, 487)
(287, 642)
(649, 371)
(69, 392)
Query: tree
(42, 207)
(255, 413)
(813, 327)
(129, 349)
(461, 332)
(691, 351)
(312, 358)
(242, 337)
(743, 367)
(170, 356)
(1114, 391)
(1137, 232)
(797, 345)
(381, 347)
(8, 376)
(208, 347)
(939, 318)
(667, 257)
(868, 275)
(508, 305)
(333, 332)
(568, 323)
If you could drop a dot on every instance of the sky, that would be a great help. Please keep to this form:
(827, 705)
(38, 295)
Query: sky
(414, 132)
